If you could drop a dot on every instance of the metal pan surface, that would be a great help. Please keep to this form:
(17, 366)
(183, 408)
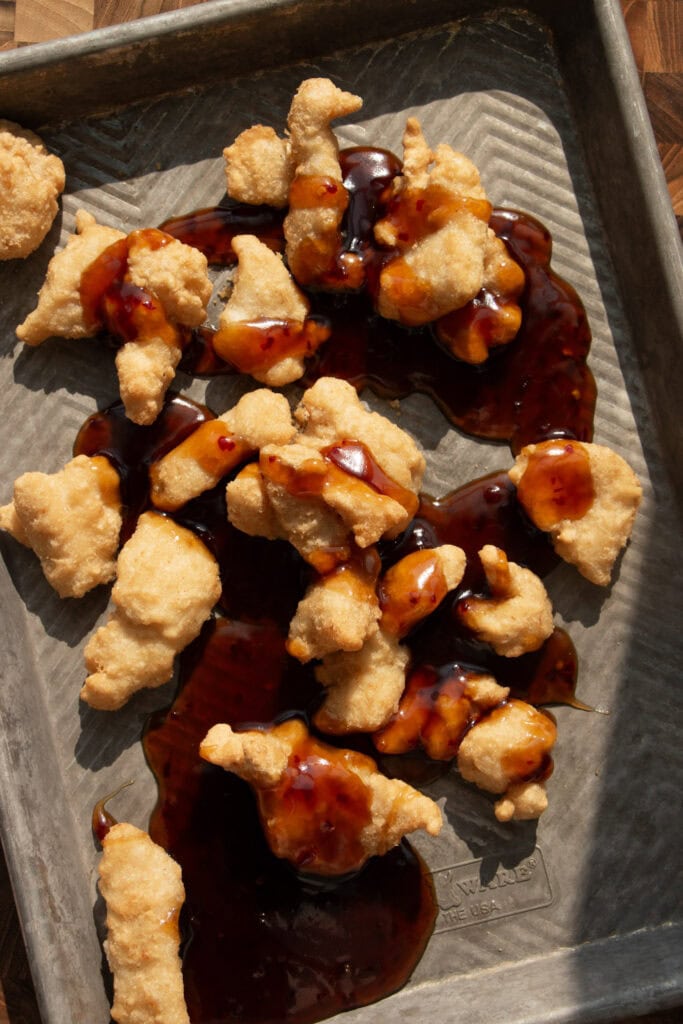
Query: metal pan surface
(577, 918)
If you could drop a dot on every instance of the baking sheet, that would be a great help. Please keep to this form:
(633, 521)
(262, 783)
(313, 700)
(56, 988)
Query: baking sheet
(589, 926)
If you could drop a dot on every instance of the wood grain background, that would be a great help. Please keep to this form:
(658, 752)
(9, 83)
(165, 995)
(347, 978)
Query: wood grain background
(656, 31)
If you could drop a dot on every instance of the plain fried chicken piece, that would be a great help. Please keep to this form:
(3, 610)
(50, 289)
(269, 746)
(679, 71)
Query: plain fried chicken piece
(317, 197)
(439, 222)
(345, 813)
(167, 583)
(31, 179)
(259, 167)
(264, 330)
(72, 520)
(518, 616)
(363, 687)
(144, 893)
(145, 369)
(330, 411)
(59, 312)
(508, 752)
(337, 613)
(217, 446)
(585, 495)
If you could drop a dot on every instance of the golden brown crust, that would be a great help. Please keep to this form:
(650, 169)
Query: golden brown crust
(592, 542)
(167, 584)
(31, 179)
(72, 520)
(143, 890)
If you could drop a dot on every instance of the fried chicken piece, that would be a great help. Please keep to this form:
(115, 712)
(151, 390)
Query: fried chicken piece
(31, 179)
(437, 710)
(508, 752)
(167, 583)
(323, 491)
(438, 220)
(363, 687)
(585, 495)
(494, 316)
(259, 167)
(217, 446)
(417, 584)
(325, 810)
(175, 280)
(338, 612)
(144, 893)
(317, 197)
(264, 328)
(518, 616)
(261, 508)
(72, 520)
(59, 312)
(330, 412)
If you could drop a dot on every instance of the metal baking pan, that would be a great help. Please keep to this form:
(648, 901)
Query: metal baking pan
(545, 98)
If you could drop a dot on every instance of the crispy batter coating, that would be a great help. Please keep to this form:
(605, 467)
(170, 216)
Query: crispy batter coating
(518, 616)
(508, 752)
(216, 447)
(281, 500)
(175, 273)
(167, 583)
(337, 613)
(373, 816)
(441, 266)
(317, 198)
(592, 540)
(363, 687)
(330, 411)
(259, 167)
(143, 890)
(72, 520)
(31, 179)
(263, 289)
(59, 312)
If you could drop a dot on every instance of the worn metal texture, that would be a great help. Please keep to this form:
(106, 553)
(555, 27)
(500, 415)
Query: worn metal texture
(573, 918)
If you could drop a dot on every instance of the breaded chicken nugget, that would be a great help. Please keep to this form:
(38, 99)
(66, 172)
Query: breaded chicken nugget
(317, 197)
(438, 219)
(167, 583)
(508, 752)
(337, 613)
(264, 328)
(59, 312)
(330, 412)
(585, 495)
(324, 809)
(31, 179)
(217, 446)
(518, 616)
(143, 890)
(363, 688)
(259, 167)
(416, 585)
(72, 520)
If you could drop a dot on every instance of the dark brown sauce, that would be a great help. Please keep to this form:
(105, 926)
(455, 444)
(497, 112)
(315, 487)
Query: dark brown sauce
(212, 230)
(268, 944)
